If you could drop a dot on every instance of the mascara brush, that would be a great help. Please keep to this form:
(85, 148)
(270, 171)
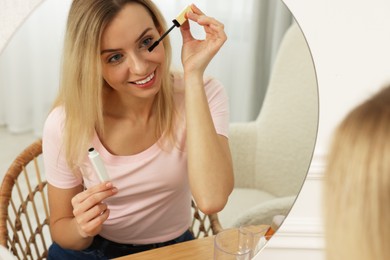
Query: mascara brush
(177, 22)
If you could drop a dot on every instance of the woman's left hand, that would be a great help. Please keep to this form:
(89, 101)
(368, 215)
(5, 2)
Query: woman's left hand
(197, 54)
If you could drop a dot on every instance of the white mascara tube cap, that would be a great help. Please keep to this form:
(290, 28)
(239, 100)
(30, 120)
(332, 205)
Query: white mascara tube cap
(98, 165)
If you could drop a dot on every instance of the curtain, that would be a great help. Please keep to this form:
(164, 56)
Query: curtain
(29, 68)
(30, 63)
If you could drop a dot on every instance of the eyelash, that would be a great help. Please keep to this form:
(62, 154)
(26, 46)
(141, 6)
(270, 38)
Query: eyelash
(142, 45)
(149, 39)
(110, 59)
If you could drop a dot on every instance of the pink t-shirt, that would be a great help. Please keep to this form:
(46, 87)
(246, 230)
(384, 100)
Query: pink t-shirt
(153, 203)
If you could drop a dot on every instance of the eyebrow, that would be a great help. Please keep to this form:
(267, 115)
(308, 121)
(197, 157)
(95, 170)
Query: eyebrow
(138, 39)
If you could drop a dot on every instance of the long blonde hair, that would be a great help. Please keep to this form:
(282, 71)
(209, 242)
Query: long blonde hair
(357, 183)
(82, 82)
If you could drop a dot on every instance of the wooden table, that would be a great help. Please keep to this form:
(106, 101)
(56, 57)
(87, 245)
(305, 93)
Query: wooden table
(197, 249)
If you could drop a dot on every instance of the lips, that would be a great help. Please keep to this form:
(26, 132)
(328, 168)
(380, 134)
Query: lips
(146, 81)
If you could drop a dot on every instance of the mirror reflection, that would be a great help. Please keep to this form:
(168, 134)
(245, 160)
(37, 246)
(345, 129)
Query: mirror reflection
(265, 67)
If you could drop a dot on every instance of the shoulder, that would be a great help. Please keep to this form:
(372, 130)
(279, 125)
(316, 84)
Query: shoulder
(57, 113)
(55, 121)
(56, 116)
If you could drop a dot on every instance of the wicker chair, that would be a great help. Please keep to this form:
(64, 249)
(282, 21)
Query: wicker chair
(24, 213)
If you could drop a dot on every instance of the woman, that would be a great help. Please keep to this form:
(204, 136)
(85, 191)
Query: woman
(162, 136)
(357, 183)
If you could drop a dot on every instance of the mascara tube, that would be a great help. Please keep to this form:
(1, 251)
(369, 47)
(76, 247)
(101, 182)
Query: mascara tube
(98, 164)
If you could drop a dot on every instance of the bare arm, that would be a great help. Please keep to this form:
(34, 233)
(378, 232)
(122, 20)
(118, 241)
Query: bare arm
(76, 216)
(209, 159)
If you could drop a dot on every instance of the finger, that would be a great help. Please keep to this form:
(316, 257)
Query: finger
(196, 12)
(92, 190)
(210, 25)
(93, 200)
(204, 20)
(93, 226)
(215, 32)
(219, 31)
(186, 32)
(83, 217)
(213, 28)
(99, 220)
(195, 9)
(84, 213)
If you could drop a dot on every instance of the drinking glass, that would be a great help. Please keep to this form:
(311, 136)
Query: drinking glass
(232, 244)
(257, 237)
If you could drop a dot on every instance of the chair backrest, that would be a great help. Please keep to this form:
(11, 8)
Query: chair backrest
(287, 123)
(204, 225)
(24, 213)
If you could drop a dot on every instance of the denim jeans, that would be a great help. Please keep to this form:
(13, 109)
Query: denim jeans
(103, 249)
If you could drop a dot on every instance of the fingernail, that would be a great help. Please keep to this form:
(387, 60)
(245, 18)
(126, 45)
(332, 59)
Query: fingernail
(114, 190)
(108, 184)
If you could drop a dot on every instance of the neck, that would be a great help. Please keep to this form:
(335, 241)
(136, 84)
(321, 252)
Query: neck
(128, 107)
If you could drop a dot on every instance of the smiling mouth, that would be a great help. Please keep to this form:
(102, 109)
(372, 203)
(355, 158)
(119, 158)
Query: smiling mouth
(144, 81)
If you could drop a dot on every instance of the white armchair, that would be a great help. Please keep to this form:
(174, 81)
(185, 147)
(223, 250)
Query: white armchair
(271, 155)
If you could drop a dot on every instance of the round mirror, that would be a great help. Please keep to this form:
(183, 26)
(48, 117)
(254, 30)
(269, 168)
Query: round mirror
(265, 66)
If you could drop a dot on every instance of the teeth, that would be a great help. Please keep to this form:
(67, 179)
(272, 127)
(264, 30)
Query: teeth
(149, 78)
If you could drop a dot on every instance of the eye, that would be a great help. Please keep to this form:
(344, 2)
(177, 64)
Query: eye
(115, 58)
(146, 42)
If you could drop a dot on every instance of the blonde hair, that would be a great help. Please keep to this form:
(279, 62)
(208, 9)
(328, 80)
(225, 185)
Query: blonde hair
(82, 82)
(357, 183)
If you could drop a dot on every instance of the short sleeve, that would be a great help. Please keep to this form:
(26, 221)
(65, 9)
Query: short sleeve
(57, 171)
(219, 105)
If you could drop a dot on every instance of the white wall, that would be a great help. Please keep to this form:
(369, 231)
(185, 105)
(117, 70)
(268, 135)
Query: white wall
(350, 43)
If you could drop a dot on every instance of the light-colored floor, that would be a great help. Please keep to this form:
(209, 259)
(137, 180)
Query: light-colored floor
(11, 145)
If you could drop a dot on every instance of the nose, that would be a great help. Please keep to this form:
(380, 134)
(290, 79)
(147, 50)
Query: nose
(137, 64)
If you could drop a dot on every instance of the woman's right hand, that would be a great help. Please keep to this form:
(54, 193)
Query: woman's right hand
(89, 209)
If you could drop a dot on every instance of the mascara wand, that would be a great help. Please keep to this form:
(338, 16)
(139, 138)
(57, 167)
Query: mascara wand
(180, 19)
(154, 45)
